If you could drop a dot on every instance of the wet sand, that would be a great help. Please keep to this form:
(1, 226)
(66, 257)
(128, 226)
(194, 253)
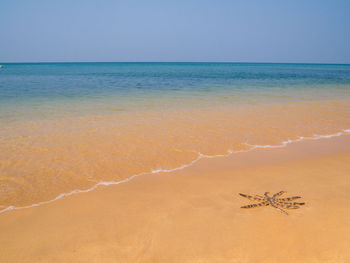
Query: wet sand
(41, 159)
(194, 214)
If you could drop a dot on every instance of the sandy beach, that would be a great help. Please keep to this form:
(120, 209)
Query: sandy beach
(175, 131)
(194, 214)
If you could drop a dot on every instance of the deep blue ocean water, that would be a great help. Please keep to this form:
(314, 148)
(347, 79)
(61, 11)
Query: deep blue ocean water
(42, 89)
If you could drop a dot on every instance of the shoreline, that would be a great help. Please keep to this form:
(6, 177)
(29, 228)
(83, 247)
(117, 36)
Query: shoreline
(200, 157)
(194, 214)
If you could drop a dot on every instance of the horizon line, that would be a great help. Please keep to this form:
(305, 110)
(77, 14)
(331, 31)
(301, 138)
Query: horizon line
(222, 62)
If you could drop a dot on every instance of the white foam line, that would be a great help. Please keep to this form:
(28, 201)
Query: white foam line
(200, 156)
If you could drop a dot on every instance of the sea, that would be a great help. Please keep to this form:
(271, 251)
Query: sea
(67, 128)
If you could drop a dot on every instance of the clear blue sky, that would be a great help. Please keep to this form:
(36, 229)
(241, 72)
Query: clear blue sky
(178, 30)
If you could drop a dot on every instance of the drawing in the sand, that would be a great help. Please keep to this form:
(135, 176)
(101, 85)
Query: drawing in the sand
(273, 201)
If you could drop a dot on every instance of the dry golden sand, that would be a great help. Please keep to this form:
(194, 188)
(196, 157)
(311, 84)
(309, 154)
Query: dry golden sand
(194, 214)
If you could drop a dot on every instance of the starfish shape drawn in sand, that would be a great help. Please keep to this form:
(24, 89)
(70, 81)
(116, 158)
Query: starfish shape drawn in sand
(273, 201)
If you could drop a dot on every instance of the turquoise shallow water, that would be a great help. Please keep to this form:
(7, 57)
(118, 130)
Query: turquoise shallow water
(68, 126)
(49, 90)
